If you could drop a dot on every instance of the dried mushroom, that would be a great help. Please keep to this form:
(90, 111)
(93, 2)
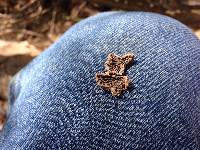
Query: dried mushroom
(114, 79)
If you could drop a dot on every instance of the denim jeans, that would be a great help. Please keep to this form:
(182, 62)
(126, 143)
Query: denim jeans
(55, 102)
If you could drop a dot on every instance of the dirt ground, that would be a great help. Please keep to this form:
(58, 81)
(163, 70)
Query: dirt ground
(27, 27)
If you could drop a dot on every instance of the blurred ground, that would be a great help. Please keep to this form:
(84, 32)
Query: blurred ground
(27, 27)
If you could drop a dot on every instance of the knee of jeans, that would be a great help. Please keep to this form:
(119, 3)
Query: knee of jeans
(164, 91)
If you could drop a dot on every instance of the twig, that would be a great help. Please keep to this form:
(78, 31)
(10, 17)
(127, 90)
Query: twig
(27, 5)
(24, 31)
(52, 25)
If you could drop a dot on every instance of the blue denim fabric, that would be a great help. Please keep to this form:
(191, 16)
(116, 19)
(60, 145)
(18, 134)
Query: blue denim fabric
(55, 102)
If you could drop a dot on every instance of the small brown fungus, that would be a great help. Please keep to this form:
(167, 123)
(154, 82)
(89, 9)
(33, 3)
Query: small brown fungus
(114, 79)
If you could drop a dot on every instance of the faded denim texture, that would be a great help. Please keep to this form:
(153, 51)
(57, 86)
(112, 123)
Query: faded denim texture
(55, 102)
